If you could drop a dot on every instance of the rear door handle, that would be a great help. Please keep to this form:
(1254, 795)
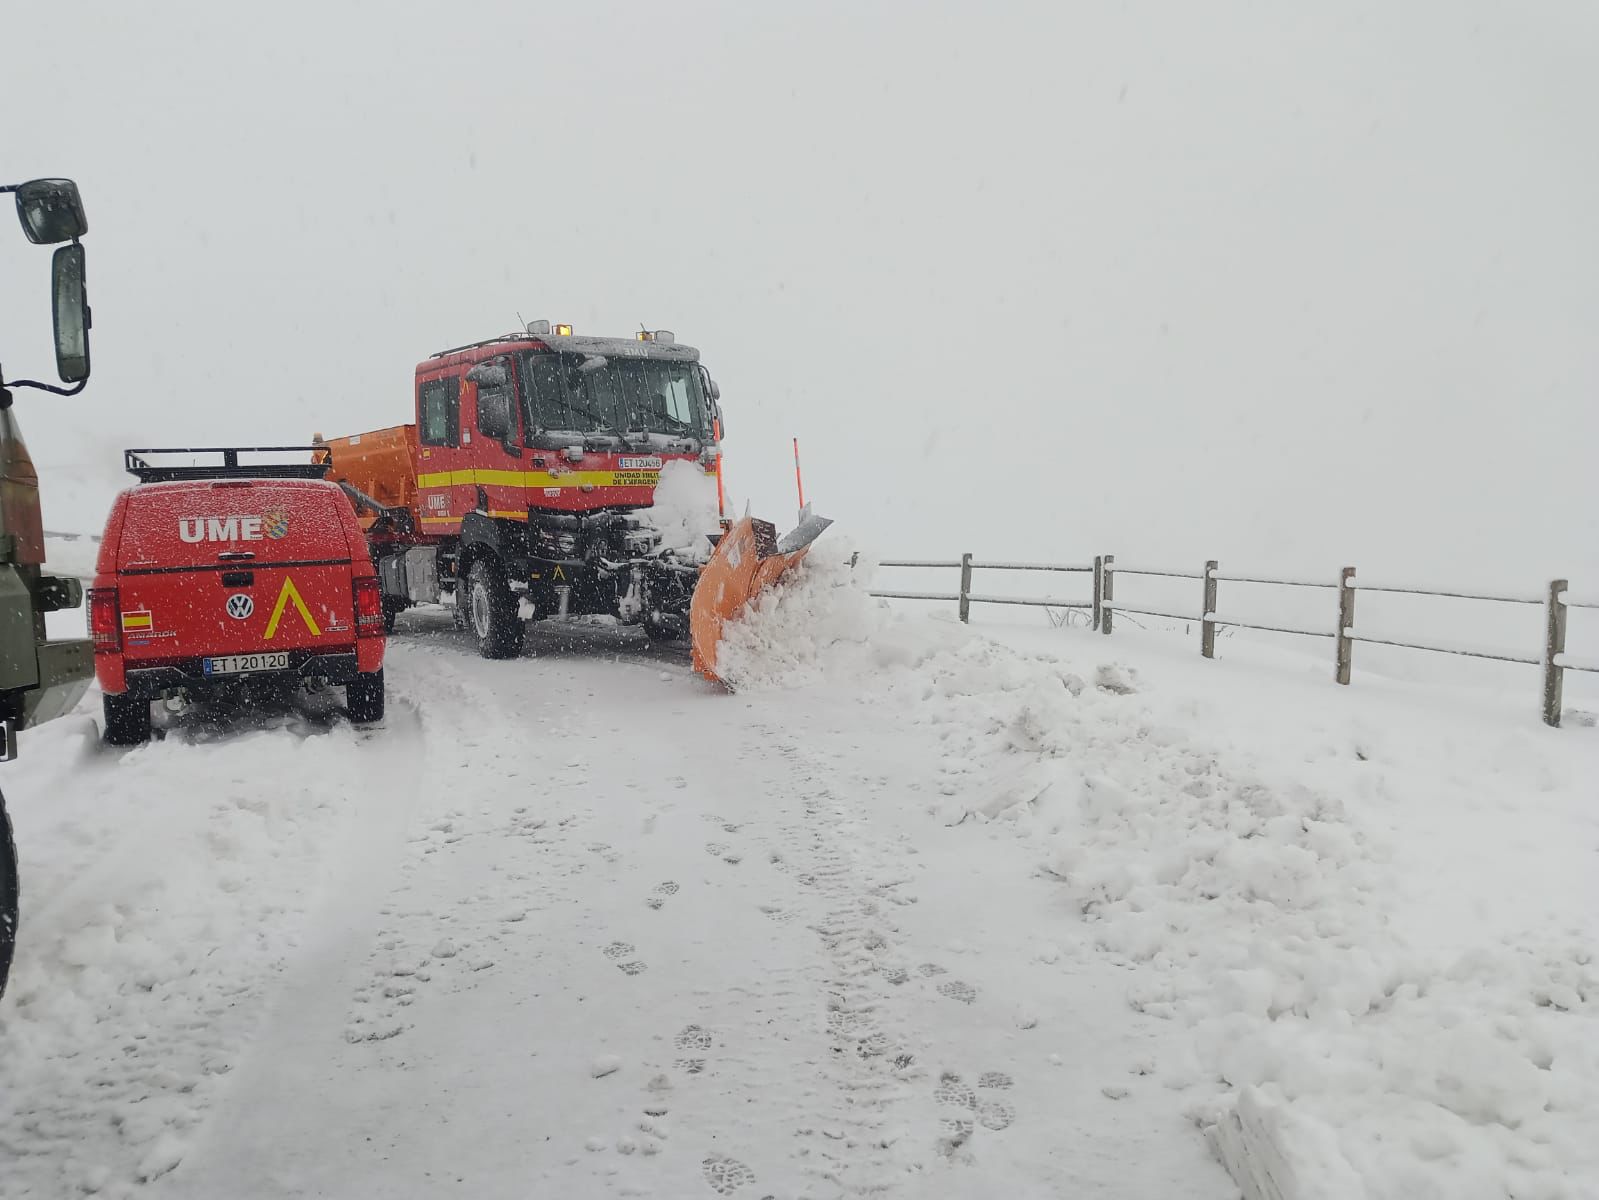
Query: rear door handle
(235, 555)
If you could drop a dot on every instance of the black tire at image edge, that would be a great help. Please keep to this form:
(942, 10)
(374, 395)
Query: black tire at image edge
(9, 894)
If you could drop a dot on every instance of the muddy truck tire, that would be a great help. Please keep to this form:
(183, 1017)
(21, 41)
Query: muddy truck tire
(8, 896)
(491, 612)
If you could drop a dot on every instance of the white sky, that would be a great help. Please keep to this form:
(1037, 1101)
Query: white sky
(1286, 285)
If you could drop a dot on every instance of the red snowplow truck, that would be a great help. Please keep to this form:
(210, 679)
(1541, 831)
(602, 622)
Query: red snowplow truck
(518, 492)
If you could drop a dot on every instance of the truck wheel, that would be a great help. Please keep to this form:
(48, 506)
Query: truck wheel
(127, 719)
(491, 612)
(663, 631)
(393, 606)
(363, 696)
(8, 896)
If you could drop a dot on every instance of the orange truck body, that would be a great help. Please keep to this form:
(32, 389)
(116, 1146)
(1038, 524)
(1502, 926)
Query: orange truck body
(382, 464)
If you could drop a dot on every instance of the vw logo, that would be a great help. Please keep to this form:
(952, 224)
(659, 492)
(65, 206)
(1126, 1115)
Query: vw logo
(240, 606)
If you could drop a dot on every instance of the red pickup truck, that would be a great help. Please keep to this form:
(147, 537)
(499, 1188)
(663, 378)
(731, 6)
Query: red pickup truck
(213, 576)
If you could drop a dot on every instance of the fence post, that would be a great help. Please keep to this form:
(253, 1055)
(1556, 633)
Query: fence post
(1107, 591)
(966, 586)
(1207, 627)
(1099, 584)
(1346, 622)
(1554, 644)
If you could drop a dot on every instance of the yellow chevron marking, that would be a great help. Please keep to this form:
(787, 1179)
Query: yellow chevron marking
(289, 592)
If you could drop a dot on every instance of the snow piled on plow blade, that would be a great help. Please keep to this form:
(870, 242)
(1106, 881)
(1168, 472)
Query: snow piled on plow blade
(1335, 1053)
(748, 560)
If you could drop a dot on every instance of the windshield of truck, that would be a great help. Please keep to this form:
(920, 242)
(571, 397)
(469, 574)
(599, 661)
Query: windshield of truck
(569, 392)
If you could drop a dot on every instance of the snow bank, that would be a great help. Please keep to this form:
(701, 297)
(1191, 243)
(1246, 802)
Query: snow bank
(1332, 1058)
(684, 510)
(159, 880)
(71, 557)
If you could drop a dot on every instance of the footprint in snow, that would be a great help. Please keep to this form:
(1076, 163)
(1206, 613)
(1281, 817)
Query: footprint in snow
(693, 1037)
(957, 990)
(692, 1041)
(618, 950)
(850, 1024)
(995, 1115)
(726, 1175)
(953, 1090)
(956, 1130)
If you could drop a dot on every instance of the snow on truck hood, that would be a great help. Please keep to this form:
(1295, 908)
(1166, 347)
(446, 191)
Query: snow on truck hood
(684, 511)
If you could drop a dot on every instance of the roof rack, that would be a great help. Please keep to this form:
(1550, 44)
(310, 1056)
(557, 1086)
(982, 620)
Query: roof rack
(137, 464)
(507, 337)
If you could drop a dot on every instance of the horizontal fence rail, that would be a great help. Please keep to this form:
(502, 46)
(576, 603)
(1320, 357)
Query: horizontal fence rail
(1103, 605)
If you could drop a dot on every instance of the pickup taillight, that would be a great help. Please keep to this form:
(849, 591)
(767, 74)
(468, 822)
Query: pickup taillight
(368, 608)
(105, 620)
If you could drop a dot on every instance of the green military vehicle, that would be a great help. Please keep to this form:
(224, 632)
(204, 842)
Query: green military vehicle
(39, 679)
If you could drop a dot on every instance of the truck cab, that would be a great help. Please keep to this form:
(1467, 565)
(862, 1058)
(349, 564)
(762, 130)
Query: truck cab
(517, 492)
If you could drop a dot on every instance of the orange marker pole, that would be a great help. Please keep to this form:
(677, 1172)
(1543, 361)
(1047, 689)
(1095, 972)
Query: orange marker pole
(799, 485)
(721, 503)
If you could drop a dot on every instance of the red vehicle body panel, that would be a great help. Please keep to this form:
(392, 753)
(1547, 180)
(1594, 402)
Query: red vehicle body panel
(233, 566)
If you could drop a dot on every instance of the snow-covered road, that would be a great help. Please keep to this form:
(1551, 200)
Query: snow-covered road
(575, 926)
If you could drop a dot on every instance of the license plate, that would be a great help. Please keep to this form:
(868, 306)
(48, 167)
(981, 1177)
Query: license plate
(238, 664)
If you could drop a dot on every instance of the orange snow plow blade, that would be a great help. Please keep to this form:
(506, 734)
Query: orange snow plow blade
(748, 560)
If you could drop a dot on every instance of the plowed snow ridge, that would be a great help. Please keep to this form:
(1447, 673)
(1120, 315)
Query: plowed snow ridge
(1254, 906)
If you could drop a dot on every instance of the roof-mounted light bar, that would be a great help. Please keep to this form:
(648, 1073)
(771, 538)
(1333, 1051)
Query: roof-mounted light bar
(545, 329)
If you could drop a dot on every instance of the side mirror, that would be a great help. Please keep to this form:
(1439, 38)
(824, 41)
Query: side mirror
(494, 415)
(714, 390)
(70, 312)
(51, 211)
(488, 374)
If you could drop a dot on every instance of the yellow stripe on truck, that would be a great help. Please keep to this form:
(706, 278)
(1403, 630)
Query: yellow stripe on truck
(539, 479)
(510, 514)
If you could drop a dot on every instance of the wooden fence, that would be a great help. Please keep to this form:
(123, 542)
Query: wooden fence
(1103, 605)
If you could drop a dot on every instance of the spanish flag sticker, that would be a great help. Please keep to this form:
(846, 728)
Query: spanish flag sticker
(137, 621)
